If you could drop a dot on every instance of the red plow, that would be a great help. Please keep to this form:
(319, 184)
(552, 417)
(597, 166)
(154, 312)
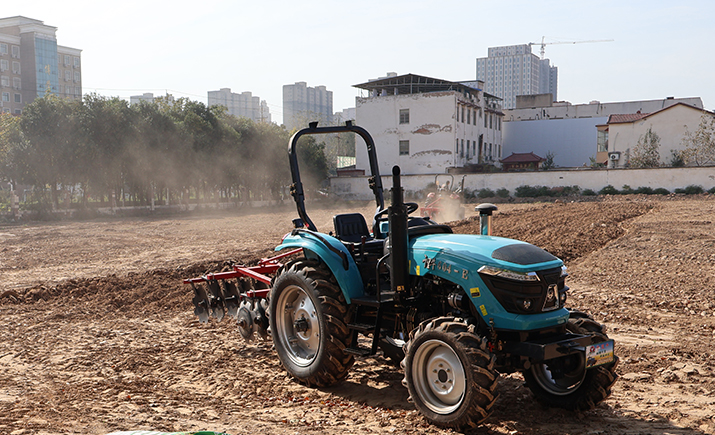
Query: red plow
(240, 293)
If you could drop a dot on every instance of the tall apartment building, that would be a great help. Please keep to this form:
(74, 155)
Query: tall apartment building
(514, 70)
(32, 64)
(244, 104)
(303, 104)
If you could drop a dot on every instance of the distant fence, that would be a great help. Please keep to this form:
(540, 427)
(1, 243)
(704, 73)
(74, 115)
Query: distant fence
(356, 188)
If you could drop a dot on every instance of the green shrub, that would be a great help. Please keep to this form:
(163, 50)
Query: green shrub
(644, 190)
(661, 191)
(608, 190)
(588, 192)
(504, 193)
(626, 190)
(691, 190)
(711, 190)
(486, 193)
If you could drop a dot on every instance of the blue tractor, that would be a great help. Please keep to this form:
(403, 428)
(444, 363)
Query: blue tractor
(455, 310)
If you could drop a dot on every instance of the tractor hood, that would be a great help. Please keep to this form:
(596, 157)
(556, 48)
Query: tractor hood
(485, 250)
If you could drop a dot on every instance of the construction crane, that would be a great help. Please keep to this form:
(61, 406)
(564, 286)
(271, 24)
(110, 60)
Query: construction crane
(544, 44)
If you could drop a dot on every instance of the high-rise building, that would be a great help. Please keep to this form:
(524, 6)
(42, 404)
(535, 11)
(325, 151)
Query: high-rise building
(32, 64)
(514, 70)
(303, 104)
(244, 104)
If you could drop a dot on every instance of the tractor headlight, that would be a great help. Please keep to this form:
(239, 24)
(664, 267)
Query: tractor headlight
(564, 274)
(509, 274)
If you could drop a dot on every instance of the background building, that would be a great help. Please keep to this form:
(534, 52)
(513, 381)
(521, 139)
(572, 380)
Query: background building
(622, 132)
(243, 105)
(513, 70)
(569, 131)
(427, 125)
(303, 104)
(32, 64)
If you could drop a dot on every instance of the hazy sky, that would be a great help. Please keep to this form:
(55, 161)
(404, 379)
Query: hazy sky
(186, 48)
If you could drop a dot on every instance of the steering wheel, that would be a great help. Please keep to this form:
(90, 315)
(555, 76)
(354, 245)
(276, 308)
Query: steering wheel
(380, 215)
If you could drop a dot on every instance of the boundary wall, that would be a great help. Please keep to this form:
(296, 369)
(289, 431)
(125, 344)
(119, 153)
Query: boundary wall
(356, 188)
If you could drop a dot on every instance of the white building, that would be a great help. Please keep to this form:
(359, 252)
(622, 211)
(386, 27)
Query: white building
(620, 135)
(568, 130)
(303, 104)
(514, 70)
(427, 125)
(243, 105)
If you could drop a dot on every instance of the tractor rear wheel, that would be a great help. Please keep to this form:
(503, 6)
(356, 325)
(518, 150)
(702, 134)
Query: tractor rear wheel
(307, 317)
(575, 388)
(450, 373)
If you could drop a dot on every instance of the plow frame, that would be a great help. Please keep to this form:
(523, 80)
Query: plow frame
(209, 302)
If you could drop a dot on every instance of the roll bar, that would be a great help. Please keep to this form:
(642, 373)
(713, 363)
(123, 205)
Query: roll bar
(296, 189)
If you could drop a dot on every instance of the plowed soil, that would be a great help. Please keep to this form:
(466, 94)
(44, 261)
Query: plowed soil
(97, 332)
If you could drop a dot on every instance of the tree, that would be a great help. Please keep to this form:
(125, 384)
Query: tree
(549, 161)
(700, 145)
(645, 153)
(44, 158)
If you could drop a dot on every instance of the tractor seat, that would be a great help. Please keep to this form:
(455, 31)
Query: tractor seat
(351, 227)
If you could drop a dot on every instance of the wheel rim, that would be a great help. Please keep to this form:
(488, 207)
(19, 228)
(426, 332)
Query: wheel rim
(297, 325)
(563, 385)
(438, 376)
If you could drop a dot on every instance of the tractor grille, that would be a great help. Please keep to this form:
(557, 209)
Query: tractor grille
(527, 297)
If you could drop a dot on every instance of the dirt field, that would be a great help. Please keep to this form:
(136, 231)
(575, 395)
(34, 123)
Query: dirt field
(97, 332)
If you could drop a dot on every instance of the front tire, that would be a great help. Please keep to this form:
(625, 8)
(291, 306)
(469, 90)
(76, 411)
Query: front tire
(450, 373)
(307, 318)
(575, 388)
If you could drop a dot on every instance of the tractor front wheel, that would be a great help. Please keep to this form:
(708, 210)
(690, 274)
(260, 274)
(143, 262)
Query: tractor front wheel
(307, 318)
(565, 382)
(450, 373)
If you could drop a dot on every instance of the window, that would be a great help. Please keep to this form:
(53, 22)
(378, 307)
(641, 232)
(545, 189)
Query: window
(3, 49)
(4, 65)
(404, 116)
(18, 98)
(68, 76)
(18, 112)
(461, 152)
(404, 148)
(456, 147)
(469, 117)
(16, 83)
(5, 81)
(16, 67)
(462, 113)
(76, 62)
(15, 51)
(6, 110)
(6, 97)
(602, 140)
(76, 76)
(485, 120)
(67, 59)
(467, 145)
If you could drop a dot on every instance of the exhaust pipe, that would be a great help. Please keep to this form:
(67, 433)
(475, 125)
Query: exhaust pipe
(397, 218)
(485, 218)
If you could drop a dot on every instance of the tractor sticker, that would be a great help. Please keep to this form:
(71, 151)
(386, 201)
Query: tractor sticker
(475, 292)
(599, 354)
(417, 270)
(483, 309)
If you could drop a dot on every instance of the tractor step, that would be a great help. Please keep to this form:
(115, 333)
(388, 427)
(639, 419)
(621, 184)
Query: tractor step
(371, 301)
(358, 351)
(361, 327)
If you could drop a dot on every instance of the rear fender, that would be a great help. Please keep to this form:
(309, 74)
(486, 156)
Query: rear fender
(348, 279)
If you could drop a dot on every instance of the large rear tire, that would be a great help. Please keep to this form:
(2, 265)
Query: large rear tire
(307, 318)
(575, 388)
(450, 373)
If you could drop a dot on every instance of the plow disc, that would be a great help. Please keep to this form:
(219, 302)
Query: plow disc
(240, 293)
